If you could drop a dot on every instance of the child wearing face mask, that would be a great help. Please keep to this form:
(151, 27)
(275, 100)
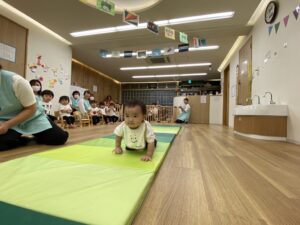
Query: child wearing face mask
(75, 100)
(36, 86)
(136, 131)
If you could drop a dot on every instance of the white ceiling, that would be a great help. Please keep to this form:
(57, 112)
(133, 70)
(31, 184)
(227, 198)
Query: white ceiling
(66, 16)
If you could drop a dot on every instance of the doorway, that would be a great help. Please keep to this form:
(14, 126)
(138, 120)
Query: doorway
(226, 96)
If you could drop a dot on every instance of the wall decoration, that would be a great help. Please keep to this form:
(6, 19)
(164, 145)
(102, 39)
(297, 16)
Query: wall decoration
(52, 83)
(115, 54)
(183, 37)
(7, 52)
(32, 68)
(106, 6)
(95, 88)
(170, 33)
(39, 67)
(153, 27)
(128, 54)
(286, 20)
(183, 47)
(196, 42)
(203, 42)
(156, 52)
(169, 51)
(131, 18)
(296, 12)
(142, 54)
(277, 27)
(103, 53)
(270, 28)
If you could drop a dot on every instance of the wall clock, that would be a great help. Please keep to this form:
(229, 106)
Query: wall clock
(271, 12)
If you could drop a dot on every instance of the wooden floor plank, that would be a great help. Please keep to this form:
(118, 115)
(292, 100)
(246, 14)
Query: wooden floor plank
(212, 176)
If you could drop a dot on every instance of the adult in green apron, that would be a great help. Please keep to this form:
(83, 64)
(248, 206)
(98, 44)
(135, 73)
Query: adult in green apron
(184, 116)
(22, 113)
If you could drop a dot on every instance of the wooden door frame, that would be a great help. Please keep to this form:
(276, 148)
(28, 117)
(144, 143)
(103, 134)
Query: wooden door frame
(226, 82)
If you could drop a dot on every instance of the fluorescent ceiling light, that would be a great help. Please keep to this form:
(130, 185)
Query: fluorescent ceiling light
(183, 20)
(32, 21)
(165, 66)
(169, 75)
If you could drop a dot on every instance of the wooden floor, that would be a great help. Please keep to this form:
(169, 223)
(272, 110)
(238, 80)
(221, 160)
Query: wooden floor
(211, 176)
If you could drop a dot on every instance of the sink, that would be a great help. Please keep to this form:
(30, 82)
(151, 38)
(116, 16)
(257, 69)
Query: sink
(262, 110)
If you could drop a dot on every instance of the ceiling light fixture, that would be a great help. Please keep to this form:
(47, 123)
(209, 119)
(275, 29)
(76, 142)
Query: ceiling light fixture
(165, 66)
(183, 20)
(169, 75)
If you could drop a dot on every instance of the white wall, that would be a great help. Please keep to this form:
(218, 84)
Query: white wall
(280, 74)
(55, 54)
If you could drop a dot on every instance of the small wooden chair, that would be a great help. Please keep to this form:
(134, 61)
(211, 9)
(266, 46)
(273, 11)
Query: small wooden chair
(59, 120)
(82, 119)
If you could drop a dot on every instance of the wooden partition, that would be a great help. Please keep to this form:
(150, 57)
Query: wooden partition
(89, 78)
(14, 35)
(199, 108)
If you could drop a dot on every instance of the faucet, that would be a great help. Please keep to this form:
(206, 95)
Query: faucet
(271, 100)
(258, 99)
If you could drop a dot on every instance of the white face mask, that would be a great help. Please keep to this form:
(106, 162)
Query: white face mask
(36, 88)
(76, 96)
(92, 98)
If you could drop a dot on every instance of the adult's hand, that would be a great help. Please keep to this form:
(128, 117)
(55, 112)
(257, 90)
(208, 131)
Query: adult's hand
(3, 128)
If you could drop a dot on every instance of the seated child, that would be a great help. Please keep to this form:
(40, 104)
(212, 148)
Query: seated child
(95, 113)
(47, 97)
(112, 113)
(102, 111)
(65, 111)
(136, 131)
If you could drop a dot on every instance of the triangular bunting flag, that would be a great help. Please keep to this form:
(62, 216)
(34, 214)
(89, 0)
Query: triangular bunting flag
(183, 48)
(169, 51)
(296, 12)
(142, 54)
(128, 54)
(196, 42)
(203, 42)
(277, 26)
(183, 37)
(130, 18)
(286, 20)
(169, 33)
(156, 52)
(270, 29)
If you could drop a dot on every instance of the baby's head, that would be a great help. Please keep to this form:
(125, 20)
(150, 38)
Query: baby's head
(134, 113)
(111, 105)
(102, 105)
(76, 94)
(186, 101)
(93, 104)
(64, 100)
(47, 95)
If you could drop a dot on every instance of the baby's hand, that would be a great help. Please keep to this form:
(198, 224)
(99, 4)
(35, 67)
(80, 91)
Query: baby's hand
(118, 150)
(146, 158)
